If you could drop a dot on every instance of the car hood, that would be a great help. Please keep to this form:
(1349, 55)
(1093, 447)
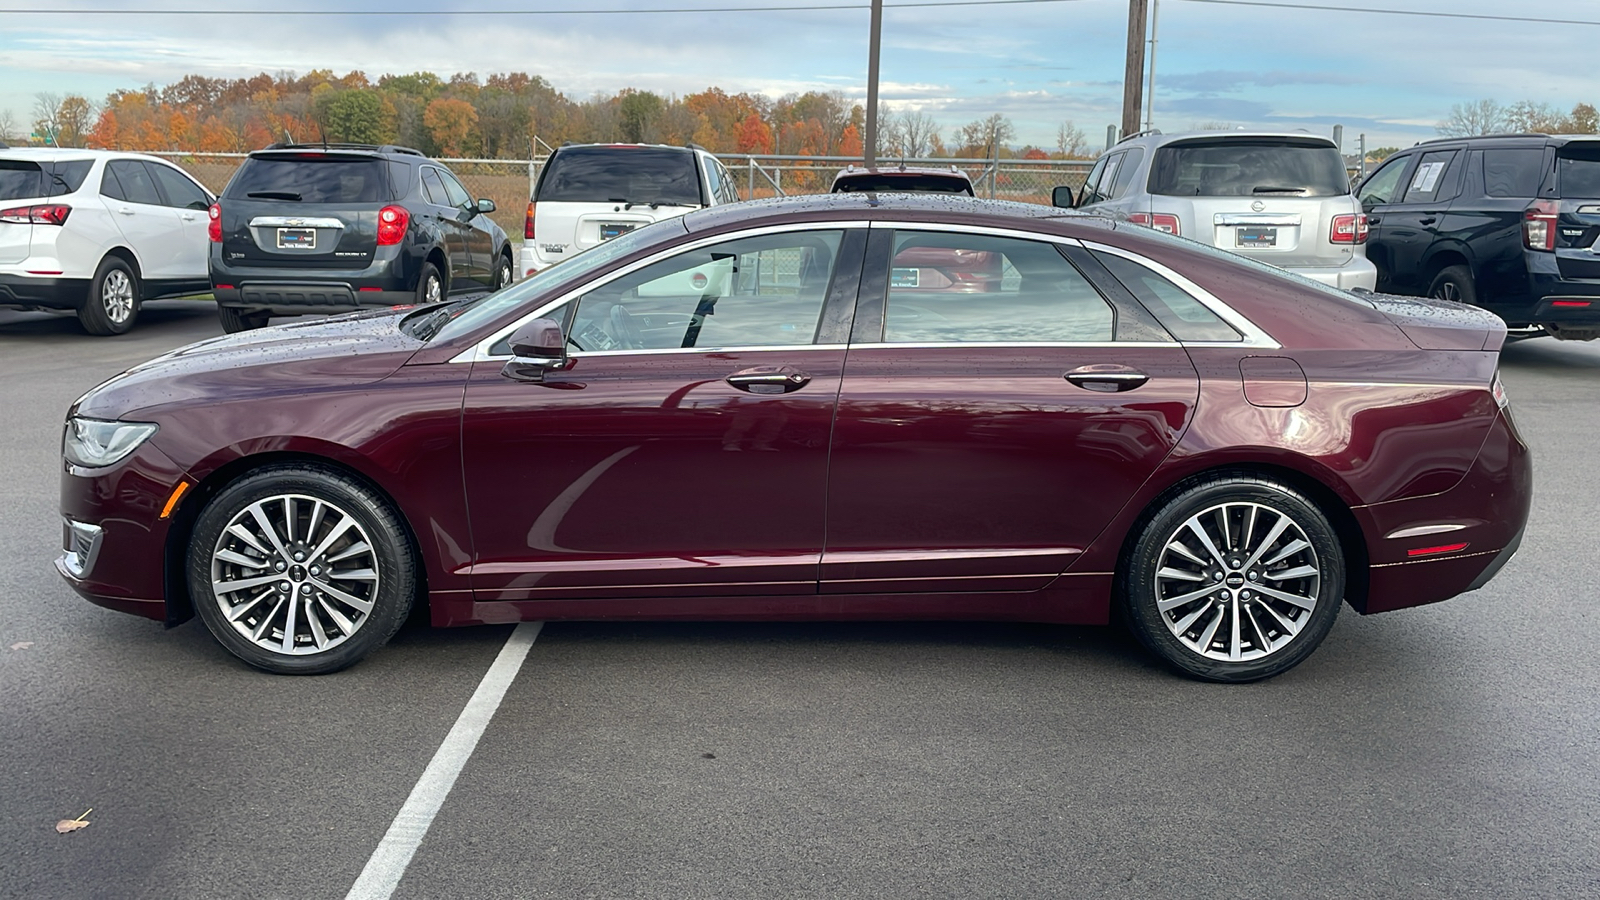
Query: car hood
(297, 357)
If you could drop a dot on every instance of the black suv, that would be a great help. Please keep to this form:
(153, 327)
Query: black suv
(1506, 222)
(324, 228)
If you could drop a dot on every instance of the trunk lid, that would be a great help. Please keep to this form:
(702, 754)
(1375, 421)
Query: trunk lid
(1441, 324)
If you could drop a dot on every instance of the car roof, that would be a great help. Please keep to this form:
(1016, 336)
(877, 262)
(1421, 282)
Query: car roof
(1159, 138)
(1556, 140)
(54, 153)
(609, 145)
(886, 206)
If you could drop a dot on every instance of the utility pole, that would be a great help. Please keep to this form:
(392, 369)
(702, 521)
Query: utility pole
(1150, 92)
(1133, 74)
(872, 85)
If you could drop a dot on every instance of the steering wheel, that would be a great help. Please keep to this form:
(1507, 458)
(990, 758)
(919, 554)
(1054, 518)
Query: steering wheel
(624, 329)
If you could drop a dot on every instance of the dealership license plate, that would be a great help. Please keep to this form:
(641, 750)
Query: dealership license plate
(1256, 236)
(614, 229)
(297, 239)
(905, 278)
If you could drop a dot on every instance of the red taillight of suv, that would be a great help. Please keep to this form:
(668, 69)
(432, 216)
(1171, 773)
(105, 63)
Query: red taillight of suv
(1539, 225)
(1349, 229)
(527, 224)
(214, 227)
(46, 214)
(1158, 221)
(392, 224)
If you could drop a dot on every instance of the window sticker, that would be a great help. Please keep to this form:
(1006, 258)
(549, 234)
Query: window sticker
(1427, 177)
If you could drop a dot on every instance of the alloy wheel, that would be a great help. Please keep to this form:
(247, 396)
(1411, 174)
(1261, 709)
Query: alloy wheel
(433, 291)
(1237, 582)
(294, 575)
(1448, 291)
(116, 295)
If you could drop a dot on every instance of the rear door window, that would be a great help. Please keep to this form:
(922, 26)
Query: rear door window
(1578, 167)
(310, 178)
(1126, 172)
(1512, 173)
(134, 182)
(1249, 167)
(180, 191)
(433, 189)
(1436, 179)
(621, 174)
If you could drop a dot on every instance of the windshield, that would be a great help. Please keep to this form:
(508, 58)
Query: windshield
(467, 317)
(628, 174)
(310, 178)
(1249, 167)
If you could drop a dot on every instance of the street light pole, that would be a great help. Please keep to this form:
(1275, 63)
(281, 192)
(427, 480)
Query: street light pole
(872, 85)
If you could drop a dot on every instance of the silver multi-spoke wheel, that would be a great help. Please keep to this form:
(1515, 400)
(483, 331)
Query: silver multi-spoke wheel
(432, 290)
(294, 574)
(1237, 581)
(1447, 291)
(116, 296)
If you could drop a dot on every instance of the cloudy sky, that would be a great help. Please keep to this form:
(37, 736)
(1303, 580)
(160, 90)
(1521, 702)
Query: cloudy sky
(1390, 76)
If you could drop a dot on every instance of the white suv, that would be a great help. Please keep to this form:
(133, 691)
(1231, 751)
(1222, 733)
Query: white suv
(1283, 198)
(590, 193)
(97, 232)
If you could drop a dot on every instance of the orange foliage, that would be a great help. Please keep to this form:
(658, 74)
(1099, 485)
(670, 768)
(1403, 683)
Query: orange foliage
(754, 136)
(850, 142)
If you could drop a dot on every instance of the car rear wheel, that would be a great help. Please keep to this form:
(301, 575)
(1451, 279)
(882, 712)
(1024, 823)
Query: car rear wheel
(113, 302)
(1235, 579)
(502, 272)
(234, 321)
(1454, 283)
(299, 570)
(430, 285)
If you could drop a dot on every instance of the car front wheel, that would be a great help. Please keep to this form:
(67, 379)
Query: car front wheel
(1235, 579)
(113, 302)
(299, 570)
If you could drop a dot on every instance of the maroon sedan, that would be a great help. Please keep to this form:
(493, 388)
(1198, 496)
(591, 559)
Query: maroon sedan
(738, 414)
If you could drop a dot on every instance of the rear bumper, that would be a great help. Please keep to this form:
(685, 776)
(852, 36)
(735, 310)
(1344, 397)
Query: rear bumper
(528, 262)
(1358, 273)
(42, 291)
(1557, 301)
(1485, 513)
(389, 280)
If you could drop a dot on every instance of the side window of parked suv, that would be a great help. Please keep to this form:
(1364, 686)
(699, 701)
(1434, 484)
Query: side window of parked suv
(181, 192)
(1098, 188)
(1436, 178)
(127, 179)
(1384, 186)
(1512, 173)
(1126, 170)
(433, 188)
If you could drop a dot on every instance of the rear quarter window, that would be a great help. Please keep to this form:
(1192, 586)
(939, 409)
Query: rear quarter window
(628, 174)
(312, 178)
(1512, 173)
(20, 180)
(1578, 169)
(1235, 167)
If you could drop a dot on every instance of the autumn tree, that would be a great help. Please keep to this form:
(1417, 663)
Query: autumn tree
(850, 142)
(985, 137)
(754, 136)
(452, 124)
(638, 111)
(360, 116)
(1071, 142)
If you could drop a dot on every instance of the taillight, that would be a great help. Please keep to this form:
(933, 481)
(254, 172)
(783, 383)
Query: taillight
(214, 227)
(1539, 225)
(527, 224)
(1349, 229)
(1158, 221)
(47, 214)
(392, 223)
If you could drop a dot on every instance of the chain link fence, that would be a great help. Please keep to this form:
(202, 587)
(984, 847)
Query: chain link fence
(509, 182)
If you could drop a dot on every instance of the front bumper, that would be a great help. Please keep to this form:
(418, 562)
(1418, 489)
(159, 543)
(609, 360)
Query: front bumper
(42, 291)
(1359, 272)
(114, 535)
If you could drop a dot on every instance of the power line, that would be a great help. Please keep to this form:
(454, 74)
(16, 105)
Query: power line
(390, 13)
(1395, 12)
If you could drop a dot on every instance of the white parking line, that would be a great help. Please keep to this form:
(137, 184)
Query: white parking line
(393, 854)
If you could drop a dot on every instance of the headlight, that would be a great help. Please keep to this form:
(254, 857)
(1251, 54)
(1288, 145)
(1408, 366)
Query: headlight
(95, 443)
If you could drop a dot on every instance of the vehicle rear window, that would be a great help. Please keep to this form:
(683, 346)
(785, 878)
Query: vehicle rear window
(625, 174)
(22, 179)
(310, 178)
(1235, 167)
(1512, 173)
(1578, 165)
(939, 184)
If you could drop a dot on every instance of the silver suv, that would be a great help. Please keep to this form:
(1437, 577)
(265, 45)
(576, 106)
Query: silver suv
(1281, 198)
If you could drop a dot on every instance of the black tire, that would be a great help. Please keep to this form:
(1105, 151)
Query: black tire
(1454, 283)
(431, 284)
(1274, 634)
(234, 321)
(367, 562)
(503, 273)
(112, 305)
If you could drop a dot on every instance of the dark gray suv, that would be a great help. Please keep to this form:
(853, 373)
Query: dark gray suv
(330, 228)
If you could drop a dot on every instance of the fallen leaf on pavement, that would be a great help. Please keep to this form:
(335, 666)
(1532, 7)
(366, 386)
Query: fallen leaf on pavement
(22, 645)
(66, 826)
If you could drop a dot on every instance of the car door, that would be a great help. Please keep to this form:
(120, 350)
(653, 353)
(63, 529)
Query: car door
(152, 228)
(476, 233)
(684, 450)
(1411, 226)
(1381, 189)
(983, 440)
(449, 218)
(182, 193)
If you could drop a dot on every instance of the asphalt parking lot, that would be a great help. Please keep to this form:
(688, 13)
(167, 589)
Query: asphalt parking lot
(1447, 751)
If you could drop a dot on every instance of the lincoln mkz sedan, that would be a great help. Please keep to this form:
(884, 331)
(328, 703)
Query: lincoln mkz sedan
(751, 412)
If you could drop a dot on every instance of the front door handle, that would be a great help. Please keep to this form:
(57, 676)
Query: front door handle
(1107, 377)
(1373, 220)
(1426, 220)
(769, 379)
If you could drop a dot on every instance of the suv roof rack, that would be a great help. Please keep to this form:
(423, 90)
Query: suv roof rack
(1139, 134)
(1473, 137)
(375, 148)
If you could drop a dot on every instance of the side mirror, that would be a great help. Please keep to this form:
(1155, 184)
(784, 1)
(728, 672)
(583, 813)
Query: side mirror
(485, 206)
(1062, 197)
(536, 348)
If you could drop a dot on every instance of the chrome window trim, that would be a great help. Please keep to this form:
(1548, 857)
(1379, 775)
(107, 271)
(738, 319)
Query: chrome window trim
(888, 345)
(1279, 219)
(1254, 336)
(586, 354)
(991, 230)
(479, 352)
(295, 222)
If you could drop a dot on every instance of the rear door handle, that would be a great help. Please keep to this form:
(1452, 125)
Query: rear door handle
(769, 379)
(187, 217)
(125, 210)
(1428, 220)
(1107, 377)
